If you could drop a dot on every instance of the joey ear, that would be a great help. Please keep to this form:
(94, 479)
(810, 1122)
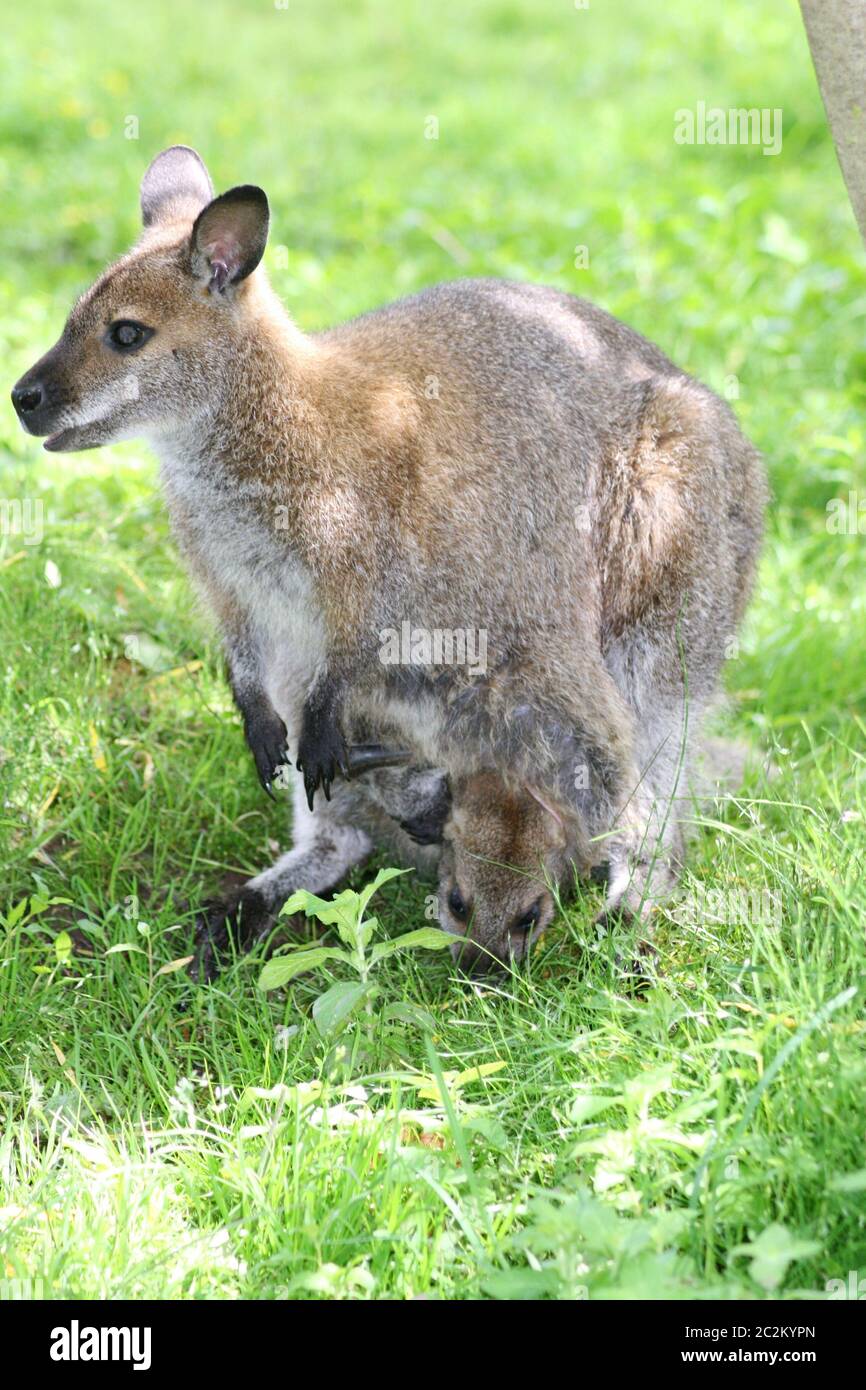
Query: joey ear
(229, 237)
(176, 185)
(458, 823)
(556, 824)
(459, 817)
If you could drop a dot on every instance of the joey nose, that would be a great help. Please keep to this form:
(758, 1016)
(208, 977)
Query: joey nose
(27, 397)
(475, 961)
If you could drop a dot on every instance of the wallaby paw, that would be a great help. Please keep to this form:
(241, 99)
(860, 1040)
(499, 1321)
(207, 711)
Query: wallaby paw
(321, 753)
(428, 827)
(268, 742)
(424, 830)
(238, 921)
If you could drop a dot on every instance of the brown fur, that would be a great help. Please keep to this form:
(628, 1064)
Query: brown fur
(486, 456)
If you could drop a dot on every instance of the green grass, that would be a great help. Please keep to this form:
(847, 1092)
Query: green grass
(624, 1145)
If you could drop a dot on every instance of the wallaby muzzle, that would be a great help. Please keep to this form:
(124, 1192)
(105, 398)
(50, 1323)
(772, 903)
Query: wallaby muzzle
(41, 396)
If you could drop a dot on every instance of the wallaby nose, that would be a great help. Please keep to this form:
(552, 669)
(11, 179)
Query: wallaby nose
(27, 398)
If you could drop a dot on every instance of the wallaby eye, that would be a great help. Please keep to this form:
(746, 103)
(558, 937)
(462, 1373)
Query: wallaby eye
(125, 335)
(457, 904)
(529, 919)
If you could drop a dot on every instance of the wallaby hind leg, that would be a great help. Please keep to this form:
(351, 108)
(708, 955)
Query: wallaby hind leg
(678, 782)
(646, 850)
(326, 846)
(401, 809)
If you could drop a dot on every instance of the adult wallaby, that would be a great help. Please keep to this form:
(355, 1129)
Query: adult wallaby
(486, 457)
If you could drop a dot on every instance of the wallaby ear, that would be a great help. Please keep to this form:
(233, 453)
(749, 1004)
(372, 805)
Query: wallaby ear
(176, 185)
(229, 237)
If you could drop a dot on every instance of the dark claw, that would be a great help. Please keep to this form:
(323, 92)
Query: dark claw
(268, 740)
(321, 750)
(355, 760)
(369, 757)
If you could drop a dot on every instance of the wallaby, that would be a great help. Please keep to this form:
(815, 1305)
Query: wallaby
(485, 458)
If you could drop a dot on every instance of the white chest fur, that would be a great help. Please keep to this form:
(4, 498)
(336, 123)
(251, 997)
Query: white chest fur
(233, 552)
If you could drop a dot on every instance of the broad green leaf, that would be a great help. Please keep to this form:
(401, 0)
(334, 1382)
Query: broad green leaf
(173, 965)
(278, 971)
(343, 911)
(367, 930)
(16, 913)
(772, 1252)
(125, 946)
(463, 1078)
(409, 1013)
(586, 1107)
(309, 903)
(305, 1094)
(63, 947)
(92, 928)
(523, 1285)
(369, 889)
(332, 1009)
(425, 938)
(428, 1086)
(639, 1091)
(145, 651)
(489, 1128)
